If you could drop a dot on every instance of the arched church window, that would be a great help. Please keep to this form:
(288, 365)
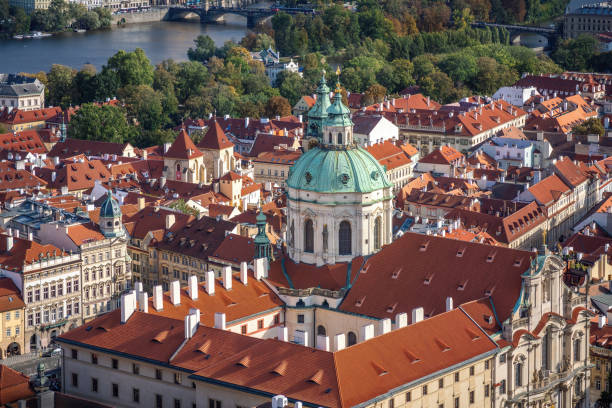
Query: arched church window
(377, 232)
(308, 236)
(331, 140)
(351, 339)
(344, 238)
(339, 138)
(321, 331)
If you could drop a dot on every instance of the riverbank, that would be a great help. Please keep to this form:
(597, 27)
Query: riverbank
(149, 16)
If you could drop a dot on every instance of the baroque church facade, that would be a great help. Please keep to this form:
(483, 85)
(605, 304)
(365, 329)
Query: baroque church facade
(339, 200)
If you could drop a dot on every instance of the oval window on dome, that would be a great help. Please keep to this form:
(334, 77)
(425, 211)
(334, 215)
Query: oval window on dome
(344, 178)
(374, 175)
(308, 177)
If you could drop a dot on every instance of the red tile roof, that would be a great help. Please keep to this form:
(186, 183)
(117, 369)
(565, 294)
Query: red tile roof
(549, 190)
(14, 386)
(25, 252)
(240, 302)
(428, 269)
(78, 175)
(389, 155)
(183, 147)
(215, 138)
(569, 172)
(72, 147)
(19, 117)
(13, 179)
(443, 155)
(10, 297)
(84, 233)
(305, 276)
(25, 141)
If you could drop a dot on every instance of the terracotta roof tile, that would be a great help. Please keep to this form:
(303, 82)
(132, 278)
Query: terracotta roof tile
(183, 147)
(13, 386)
(10, 297)
(215, 138)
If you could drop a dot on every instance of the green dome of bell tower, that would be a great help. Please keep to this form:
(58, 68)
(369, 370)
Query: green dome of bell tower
(318, 113)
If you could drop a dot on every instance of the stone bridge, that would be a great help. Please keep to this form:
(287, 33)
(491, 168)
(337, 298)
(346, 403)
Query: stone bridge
(550, 35)
(214, 13)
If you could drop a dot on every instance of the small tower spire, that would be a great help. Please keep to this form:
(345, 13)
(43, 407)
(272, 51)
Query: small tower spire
(263, 248)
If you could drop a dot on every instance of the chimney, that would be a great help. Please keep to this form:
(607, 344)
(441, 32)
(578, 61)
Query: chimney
(602, 320)
(323, 343)
(339, 342)
(210, 283)
(143, 302)
(227, 277)
(141, 203)
(53, 176)
(127, 306)
(367, 332)
(385, 326)
(417, 314)
(158, 298)
(260, 267)
(191, 325)
(169, 220)
(283, 333)
(246, 122)
(244, 275)
(220, 321)
(162, 182)
(401, 320)
(175, 292)
(192, 287)
(449, 304)
(301, 337)
(279, 401)
(9, 242)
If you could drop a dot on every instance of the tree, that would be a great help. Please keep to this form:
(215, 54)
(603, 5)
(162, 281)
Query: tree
(60, 85)
(88, 21)
(576, 54)
(191, 78)
(461, 67)
(204, 49)
(132, 68)
(58, 11)
(181, 205)
(145, 105)
(374, 94)
(277, 106)
(291, 86)
(22, 21)
(104, 16)
(462, 18)
(104, 123)
(591, 126)
(84, 85)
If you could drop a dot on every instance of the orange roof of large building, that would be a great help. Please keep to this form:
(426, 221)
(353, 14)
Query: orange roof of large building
(569, 172)
(77, 175)
(10, 297)
(25, 252)
(19, 117)
(25, 141)
(404, 104)
(389, 155)
(14, 386)
(443, 155)
(238, 303)
(84, 233)
(215, 138)
(421, 271)
(183, 147)
(549, 190)
(13, 179)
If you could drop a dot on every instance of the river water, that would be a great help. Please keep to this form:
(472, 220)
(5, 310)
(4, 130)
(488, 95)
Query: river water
(160, 40)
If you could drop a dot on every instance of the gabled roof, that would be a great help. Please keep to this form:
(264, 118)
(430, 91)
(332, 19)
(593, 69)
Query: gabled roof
(569, 172)
(215, 138)
(548, 190)
(428, 269)
(71, 147)
(443, 155)
(10, 297)
(14, 386)
(183, 147)
(84, 233)
(18, 117)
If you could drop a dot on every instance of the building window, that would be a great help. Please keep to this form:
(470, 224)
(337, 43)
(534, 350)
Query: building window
(486, 390)
(158, 374)
(260, 324)
(471, 397)
(308, 236)
(177, 403)
(75, 380)
(177, 378)
(598, 384)
(46, 292)
(441, 383)
(135, 395)
(344, 238)
(94, 385)
(214, 403)
(518, 374)
(472, 370)
(277, 318)
(159, 401)
(457, 376)
(75, 354)
(351, 338)
(577, 350)
(94, 358)
(115, 363)
(408, 397)
(456, 402)
(300, 318)
(115, 387)
(377, 232)
(37, 295)
(135, 369)
(486, 364)
(243, 329)
(392, 403)
(425, 390)
(502, 387)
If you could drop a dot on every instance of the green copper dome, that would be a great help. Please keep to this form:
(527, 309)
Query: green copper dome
(347, 170)
(338, 114)
(110, 207)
